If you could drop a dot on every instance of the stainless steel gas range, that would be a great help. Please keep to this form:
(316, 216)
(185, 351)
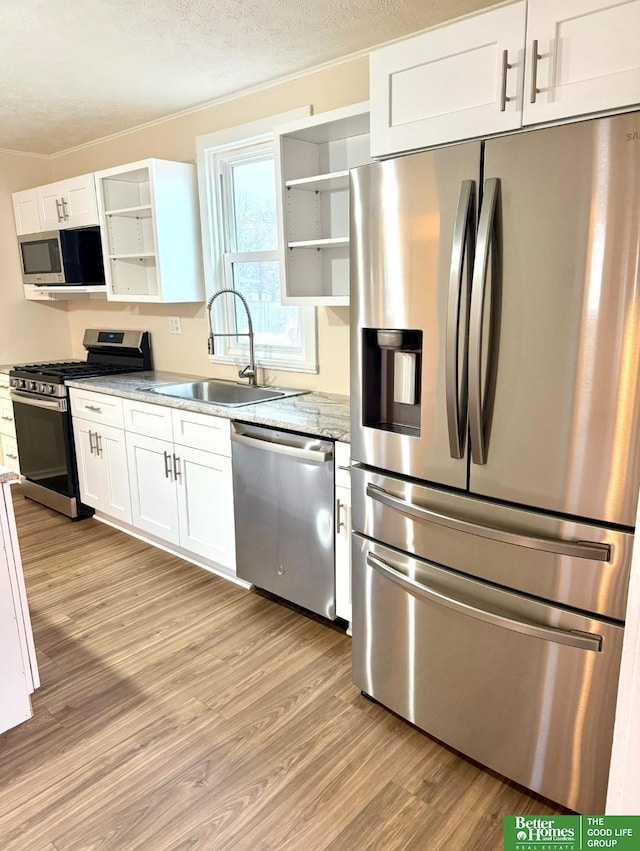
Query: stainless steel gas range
(43, 420)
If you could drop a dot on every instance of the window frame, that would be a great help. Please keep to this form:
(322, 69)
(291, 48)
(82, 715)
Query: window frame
(216, 210)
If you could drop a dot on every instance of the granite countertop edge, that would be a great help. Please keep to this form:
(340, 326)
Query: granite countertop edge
(7, 475)
(322, 414)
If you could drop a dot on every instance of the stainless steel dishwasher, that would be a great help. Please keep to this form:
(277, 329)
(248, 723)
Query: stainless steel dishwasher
(283, 487)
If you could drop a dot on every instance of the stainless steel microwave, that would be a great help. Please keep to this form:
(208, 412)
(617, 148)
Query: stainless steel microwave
(72, 257)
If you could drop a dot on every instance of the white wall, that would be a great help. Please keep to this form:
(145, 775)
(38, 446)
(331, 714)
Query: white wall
(28, 331)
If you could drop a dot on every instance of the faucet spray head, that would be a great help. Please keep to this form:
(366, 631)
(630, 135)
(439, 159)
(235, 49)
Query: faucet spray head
(210, 345)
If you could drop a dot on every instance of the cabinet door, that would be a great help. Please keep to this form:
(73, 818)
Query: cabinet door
(90, 466)
(68, 203)
(80, 208)
(458, 81)
(343, 552)
(25, 210)
(154, 506)
(587, 57)
(50, 209)
(112, 452)
(205, 505)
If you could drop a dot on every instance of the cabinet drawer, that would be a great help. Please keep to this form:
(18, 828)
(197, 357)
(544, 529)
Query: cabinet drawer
(147, 419)
(96, 407)
(201, 431)
(7, 424)
(4, 385)
(10, 452)
(342, 465)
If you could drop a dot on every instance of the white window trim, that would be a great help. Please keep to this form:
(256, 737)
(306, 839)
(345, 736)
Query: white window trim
(249, 134)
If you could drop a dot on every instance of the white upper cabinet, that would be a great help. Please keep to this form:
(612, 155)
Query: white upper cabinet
(56, 206)
(151, 232)
(454, 82)
(25, 211)
(582, 56)
(68, 204)
(313, 158)
(515, 65)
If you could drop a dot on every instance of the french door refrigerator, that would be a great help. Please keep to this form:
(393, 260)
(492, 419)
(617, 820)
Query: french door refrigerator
(495, 357)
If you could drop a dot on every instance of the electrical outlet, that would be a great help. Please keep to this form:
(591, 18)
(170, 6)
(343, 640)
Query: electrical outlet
(174, 325)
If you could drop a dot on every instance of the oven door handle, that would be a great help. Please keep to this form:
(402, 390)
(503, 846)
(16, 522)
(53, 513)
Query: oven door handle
(574, 638)
(59, 405)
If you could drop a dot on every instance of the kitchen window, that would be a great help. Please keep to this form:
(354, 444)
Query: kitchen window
(236, 173)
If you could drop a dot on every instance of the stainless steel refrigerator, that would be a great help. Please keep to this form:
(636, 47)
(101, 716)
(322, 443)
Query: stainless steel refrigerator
(496, 443)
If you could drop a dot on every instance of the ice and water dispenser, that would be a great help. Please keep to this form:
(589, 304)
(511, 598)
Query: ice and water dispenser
(392, 367)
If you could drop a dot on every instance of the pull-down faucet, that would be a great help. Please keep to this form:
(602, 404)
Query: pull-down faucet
(249, 370)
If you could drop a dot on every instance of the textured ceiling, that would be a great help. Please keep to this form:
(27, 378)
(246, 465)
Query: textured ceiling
(76, 70)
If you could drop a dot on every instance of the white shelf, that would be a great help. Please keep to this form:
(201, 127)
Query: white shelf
(143, 211)
(132, 256)
(322, 182)
(320, 243)
(313, 159)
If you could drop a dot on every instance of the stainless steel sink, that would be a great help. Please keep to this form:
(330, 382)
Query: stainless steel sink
(226, 393)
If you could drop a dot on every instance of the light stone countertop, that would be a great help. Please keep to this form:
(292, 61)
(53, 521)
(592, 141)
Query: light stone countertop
(7, 475)
(323, 414)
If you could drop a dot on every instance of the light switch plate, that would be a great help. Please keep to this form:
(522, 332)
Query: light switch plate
(174, 325)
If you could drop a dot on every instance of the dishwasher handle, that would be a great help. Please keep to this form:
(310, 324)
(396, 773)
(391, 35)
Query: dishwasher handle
(318, 452)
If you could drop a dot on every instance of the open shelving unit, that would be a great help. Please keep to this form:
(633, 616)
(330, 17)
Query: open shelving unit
(313, 157)
(150, 232)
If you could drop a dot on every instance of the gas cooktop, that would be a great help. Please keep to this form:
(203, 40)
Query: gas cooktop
(110, 352)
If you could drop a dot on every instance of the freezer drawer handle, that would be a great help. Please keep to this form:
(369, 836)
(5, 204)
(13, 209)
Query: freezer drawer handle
(575, 549)
(581, 640)
(320, 456)
(456, 362)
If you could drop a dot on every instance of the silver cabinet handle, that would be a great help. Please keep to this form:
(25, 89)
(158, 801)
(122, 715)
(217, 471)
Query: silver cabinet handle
(339, 522)
(535, 56)
(574, 549)
(345, 467)
(478, 410)
(7, 419)
(504, 100)
(13, 457)
(65, 214)
(167, 465)
(94, 408)
(573, 638)
(176, 467)
(91, 447)
(320, 455)
(98, 444)
(59, 210)
(456, 378)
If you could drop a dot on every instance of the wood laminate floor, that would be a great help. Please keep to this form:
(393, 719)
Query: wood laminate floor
(178, 711)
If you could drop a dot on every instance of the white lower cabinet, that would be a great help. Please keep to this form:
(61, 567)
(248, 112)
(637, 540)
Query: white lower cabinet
(343, 531)
(102, 468)
(182, 494)
(101, 453)
(8, 445)
(154, 497)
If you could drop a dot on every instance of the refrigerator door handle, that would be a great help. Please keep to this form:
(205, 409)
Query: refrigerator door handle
(456, 374)
(573, 638)
(487, 234)
(573, 549)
